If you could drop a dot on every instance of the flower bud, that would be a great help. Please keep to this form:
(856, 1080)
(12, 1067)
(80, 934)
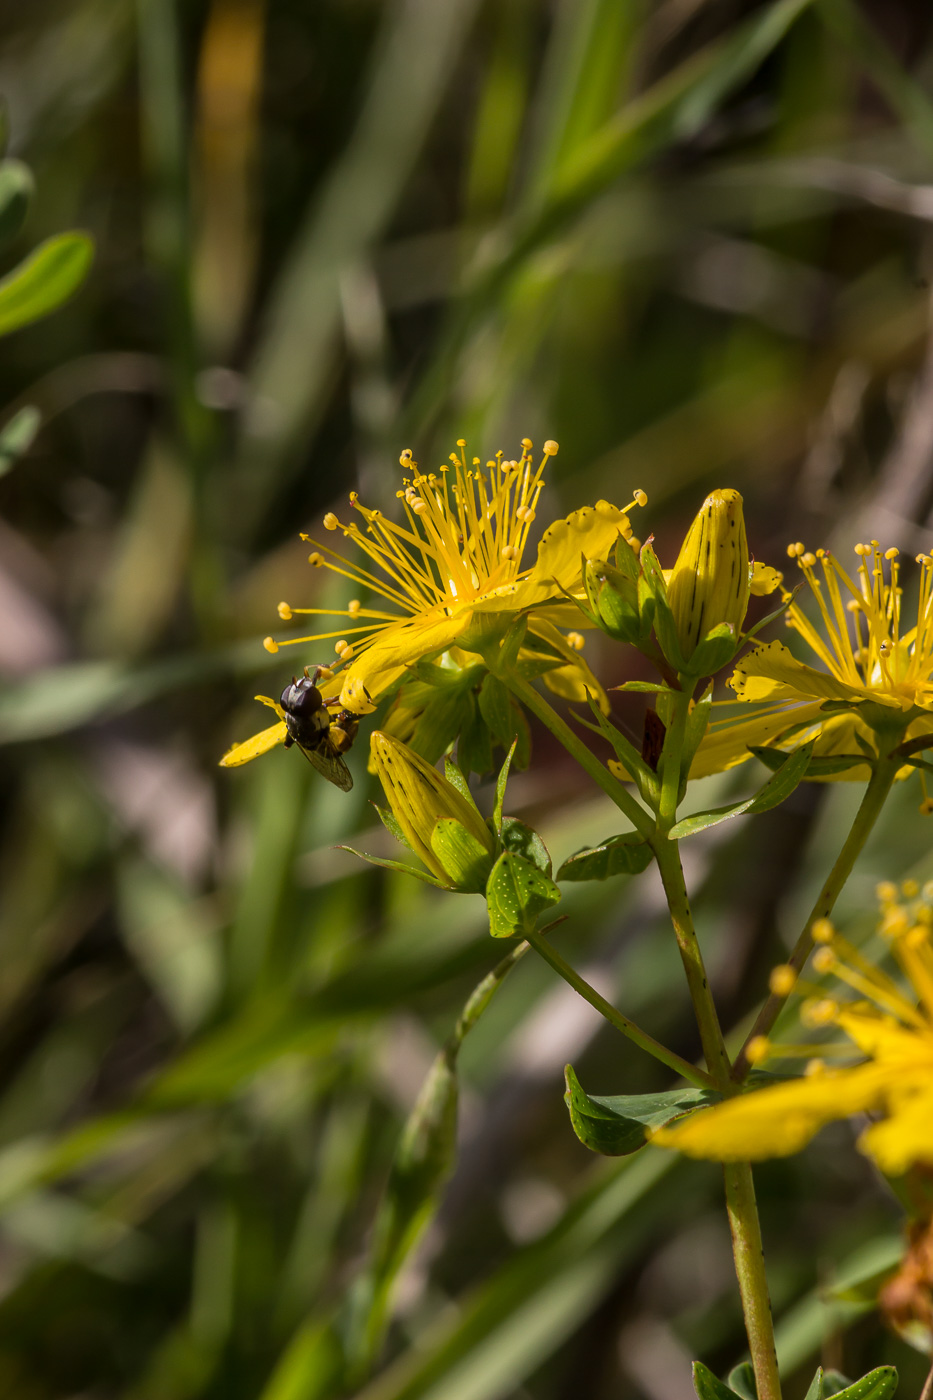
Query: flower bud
(709, 584)
(440, 824)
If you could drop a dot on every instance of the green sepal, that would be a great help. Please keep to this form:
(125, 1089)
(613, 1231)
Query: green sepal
(524, 841)
(694, 733)
(495, 706)
(613, 595)
(665, 629)
(775, 790)
(391, 824)
(447, 712)
(457, 778)
(742, 1381)
(627, 854)
(415, 870)
(474, 745)
(18, 435)
(516, 894)
(511, 645)
(16, 190)
(708, 1386)
(879, 1384)
(619, 1125)
(465, 860)
(716, 650)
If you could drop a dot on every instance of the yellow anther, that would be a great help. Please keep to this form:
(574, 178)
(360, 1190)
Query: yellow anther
(853, 605)
(758, 1049)
(324, 673)
(895, 922)
(863, 549)
(910, 888)
(815, 1067)
(807, 561)
(823, 931)
(886, 892)
(270, 645)
(331, 522)
(891, 553)
(782, 979)
(315, 559)
(550, 448)
(527, 444)
(353, 607)
(819, 1011)
(917, 937)
(824, 961)
(461, 442)
(509, 551)
(640, 497)
(576, 640)
(926, 807)
(405, 459)
(927, 890)
(284, 612)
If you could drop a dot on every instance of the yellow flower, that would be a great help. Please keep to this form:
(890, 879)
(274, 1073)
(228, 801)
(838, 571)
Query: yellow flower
(452, 571)
(892, 1030)
(866, 655)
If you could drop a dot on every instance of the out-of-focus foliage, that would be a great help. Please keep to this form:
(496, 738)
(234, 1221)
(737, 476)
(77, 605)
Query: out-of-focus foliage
(689, 240)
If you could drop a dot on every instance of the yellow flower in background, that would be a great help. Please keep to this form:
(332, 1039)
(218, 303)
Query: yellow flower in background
(866, 654)
(890, 1028)
(455, 560)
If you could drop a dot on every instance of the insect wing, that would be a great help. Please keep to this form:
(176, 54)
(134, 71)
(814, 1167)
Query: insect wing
(330, 766)
(252, 748)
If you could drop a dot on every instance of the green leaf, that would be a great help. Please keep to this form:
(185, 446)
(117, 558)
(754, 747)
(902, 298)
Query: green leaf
(627, 854)
(455, 776)
(818, 767)
(775, 790)
(618, 1125)
(643, 776)
(707, 1386)
(474, 744)
(879, 1384)
(18, 435)
(523, 841)
(466, 861)
(648, 686)
(742, 1381)
(695, 730)
(517, 892)
(715, 651)
(496, 709)
(16, 189)
(44, 280)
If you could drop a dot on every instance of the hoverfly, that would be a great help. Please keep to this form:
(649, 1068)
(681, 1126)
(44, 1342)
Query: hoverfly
(322, 738)
(305, 720)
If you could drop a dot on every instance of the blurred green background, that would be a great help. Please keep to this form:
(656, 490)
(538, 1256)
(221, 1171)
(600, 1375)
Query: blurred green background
(689, 239)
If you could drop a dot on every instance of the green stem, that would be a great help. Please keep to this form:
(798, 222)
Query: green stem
(623, 799)
(753, 1282)
(687, 1071)
(671, 758)
(869, 810)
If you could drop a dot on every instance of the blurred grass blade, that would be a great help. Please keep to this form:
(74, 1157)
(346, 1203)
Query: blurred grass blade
(16, 190)
(424, 1159)
(44, 280)
(506, 1328)
(906, 96)
(293, 363)
(18, 435)
(673, 110)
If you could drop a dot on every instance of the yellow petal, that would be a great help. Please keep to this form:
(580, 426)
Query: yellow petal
(252, 748)
(905, 1136)
(394, 650)
(591, 532)
(708, 584)
(772, 673)
(727, 744)
(764, 579)
(570, 682)
(777, 1121)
